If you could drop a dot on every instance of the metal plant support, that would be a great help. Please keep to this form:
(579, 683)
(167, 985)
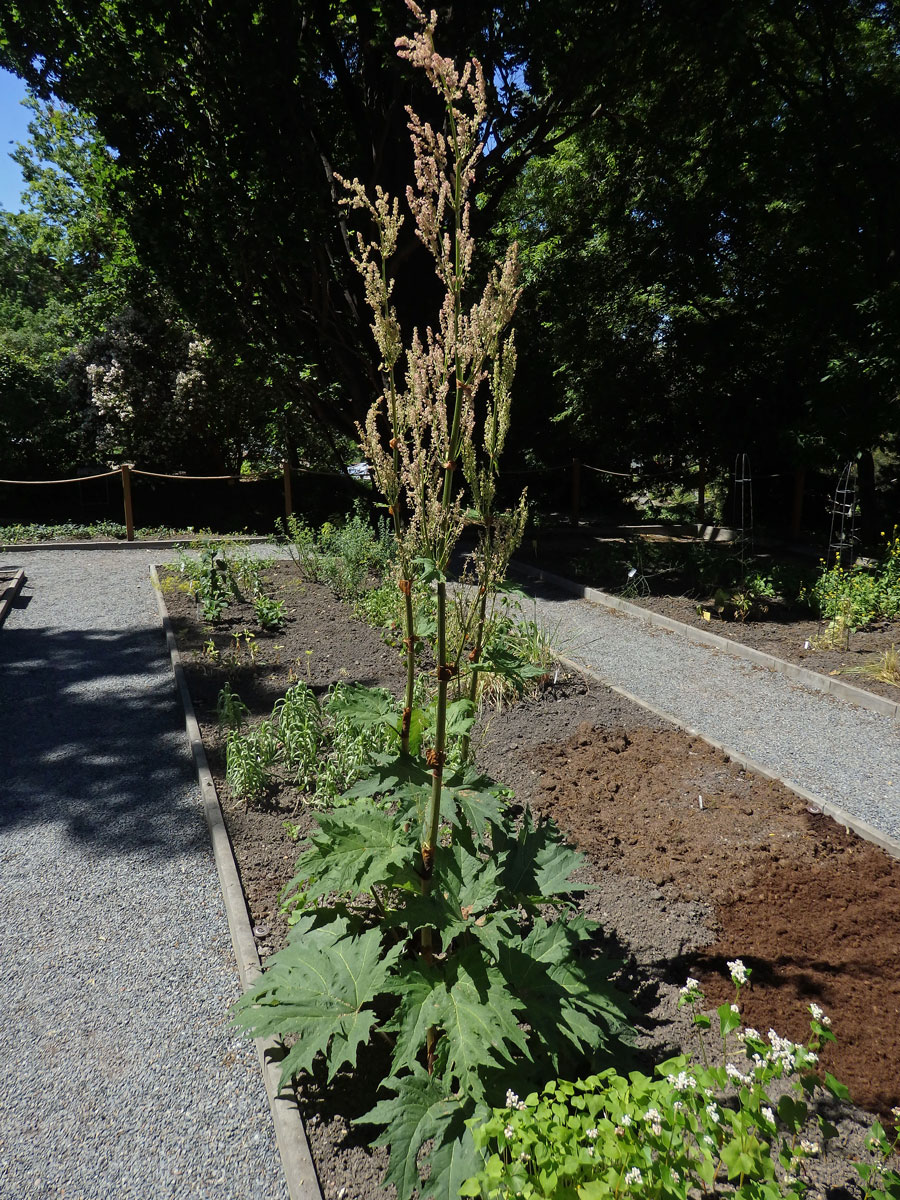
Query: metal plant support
(841, 542)
(742, 509)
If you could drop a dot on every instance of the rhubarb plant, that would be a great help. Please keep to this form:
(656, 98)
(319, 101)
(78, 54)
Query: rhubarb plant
(427, 911)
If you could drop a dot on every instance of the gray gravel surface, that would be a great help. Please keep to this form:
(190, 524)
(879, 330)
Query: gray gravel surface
(118, 1074)
(839, 752)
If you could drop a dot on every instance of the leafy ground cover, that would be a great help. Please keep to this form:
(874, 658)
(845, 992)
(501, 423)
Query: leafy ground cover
(679, 891)
(73, 531)
(764, 601)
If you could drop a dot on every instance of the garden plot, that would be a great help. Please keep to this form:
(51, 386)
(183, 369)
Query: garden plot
(680, 890)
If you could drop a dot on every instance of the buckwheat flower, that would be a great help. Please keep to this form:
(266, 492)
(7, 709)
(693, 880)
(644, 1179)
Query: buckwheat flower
(508, 1132)
(713, 1113)
(789, 1179)
(691, 989)
(758, 1060)
(682, 1082)
(709, 1141)
(677, 1106)
(895, 1112)
(739, 973)
(768, 1115)
(735, 1009)
(734, 1073)
(809, 1147)
(513, 1101)
(590, 1151)
(626, 1120)
(752, 1033)
(590, 1133)
(523, 1157)
(620, 1132)
(633, 1176)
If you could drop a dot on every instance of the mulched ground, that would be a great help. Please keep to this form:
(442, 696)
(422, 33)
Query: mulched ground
(681, 889)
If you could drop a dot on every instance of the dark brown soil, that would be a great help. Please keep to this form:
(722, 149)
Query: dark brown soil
(781, 631)
(681, 888)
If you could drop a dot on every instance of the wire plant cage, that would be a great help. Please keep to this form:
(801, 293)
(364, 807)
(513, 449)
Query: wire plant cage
(842, 541)
(742, 510)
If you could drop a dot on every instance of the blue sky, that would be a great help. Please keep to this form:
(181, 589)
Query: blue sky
(13, 129)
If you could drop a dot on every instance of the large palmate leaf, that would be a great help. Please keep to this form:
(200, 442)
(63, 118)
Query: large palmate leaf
(538, 863)
(470, 1004)
(318, 989)
(569, 1001)
(366, 708)
(420, 1110)
(355, 849)
(464, 887)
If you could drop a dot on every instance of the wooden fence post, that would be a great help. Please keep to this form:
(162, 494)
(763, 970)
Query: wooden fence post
(576, 490)
(126, 495)
(288, 497)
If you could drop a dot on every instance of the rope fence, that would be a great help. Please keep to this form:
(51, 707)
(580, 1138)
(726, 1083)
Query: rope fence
(126, 471)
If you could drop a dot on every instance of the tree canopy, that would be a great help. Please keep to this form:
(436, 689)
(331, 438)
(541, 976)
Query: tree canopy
(704, 199)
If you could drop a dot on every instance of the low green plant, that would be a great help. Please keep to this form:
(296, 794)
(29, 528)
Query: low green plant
(737, 1129)
(230, 708)
(298, 720)
(74, 531)
(886, 668)
(341, 555)
(856, 596)
(269, 613)
(250, 757)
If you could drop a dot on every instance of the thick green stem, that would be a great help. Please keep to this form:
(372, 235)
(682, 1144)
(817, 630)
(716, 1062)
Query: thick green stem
(438, 751)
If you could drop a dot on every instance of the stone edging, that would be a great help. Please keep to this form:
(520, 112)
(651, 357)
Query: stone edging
(810, 679)
(10, 590)
(299, 1170)
(862, 828)
(122, 544)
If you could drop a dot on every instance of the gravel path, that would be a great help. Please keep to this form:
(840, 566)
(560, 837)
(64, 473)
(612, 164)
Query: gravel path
(839, 752)
(118, 1075)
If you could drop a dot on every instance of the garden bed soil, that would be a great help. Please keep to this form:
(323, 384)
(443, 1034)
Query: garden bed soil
(681, 889)
(780, 631)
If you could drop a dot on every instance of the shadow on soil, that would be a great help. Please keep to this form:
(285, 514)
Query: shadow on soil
(90, 736)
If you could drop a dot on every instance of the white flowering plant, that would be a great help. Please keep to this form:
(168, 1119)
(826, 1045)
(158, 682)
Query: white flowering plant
(693, 1128)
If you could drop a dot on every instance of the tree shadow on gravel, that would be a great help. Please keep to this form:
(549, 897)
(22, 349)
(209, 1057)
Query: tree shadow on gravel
(91, 736)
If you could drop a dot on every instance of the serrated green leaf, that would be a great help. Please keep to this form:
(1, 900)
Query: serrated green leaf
(317, 988)
(567, 1000)
(366, 708)
(538, 862)
(418, 1110)
(453, 1159)
(470, 1004)
(354, 850)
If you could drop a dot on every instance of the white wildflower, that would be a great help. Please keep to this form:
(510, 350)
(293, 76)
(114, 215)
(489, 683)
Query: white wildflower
(735, 1009)
(682, 1082)
(691, 989)
(734, 1073)
(633, 1176)
(709, 1141)
(713, 1113)
(513, 1101)
(768, 1115)
(809, 1147)
(626, 1120)
(508, 1132)
(590, 1133)
(739, 973)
